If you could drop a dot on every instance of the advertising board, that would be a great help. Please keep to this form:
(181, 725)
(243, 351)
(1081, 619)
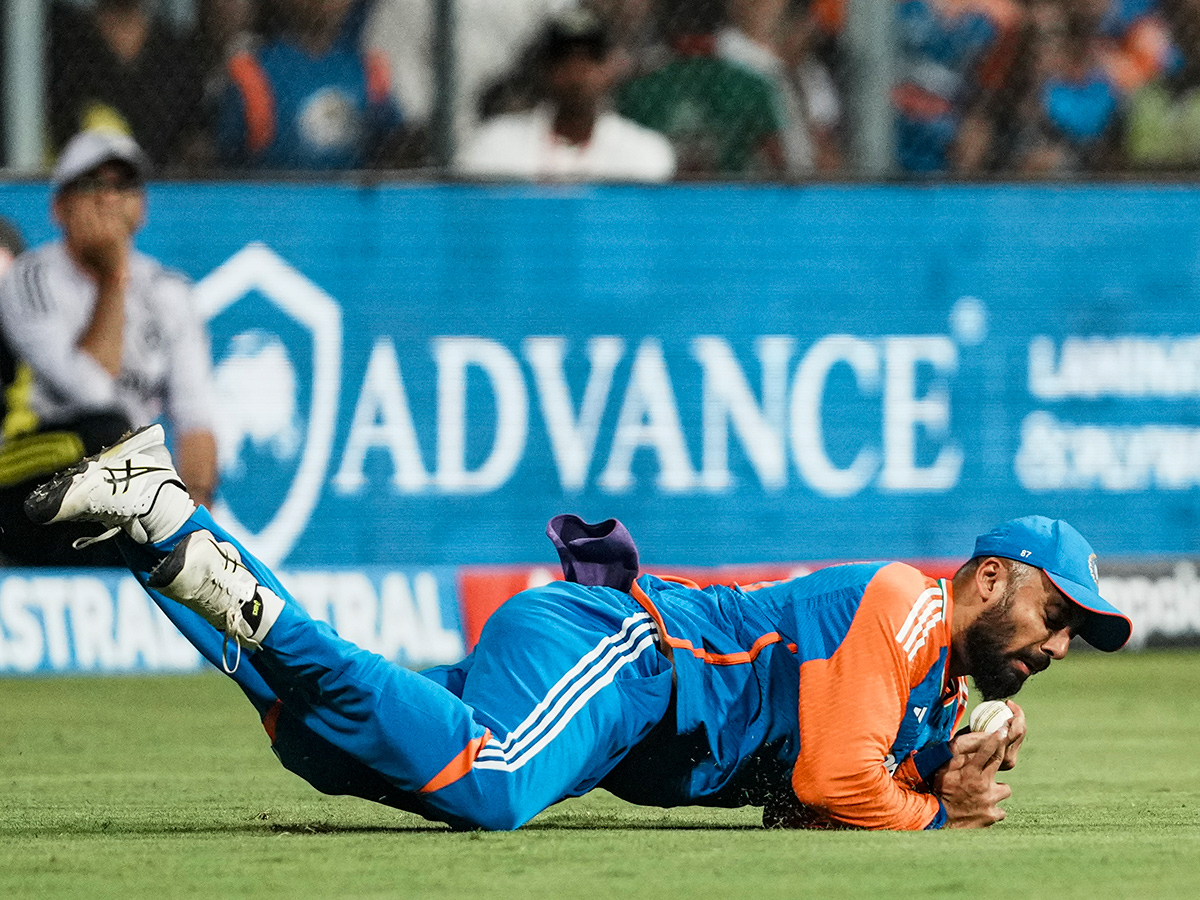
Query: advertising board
(415, 376)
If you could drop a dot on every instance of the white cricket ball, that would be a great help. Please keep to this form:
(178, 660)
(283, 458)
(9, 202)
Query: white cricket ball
(989, 716)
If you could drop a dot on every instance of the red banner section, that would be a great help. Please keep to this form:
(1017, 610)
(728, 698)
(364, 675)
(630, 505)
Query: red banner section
(481, 589)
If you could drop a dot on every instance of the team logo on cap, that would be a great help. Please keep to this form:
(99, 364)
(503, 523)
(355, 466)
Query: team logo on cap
(1092, 570)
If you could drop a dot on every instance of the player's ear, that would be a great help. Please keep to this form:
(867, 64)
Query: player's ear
(991, 578)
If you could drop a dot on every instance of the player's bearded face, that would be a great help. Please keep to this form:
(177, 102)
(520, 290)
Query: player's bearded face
(994, 665)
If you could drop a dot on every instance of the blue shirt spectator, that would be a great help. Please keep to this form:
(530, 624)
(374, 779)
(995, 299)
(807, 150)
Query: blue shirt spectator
(310, 98)
(1070, 120)
(953, 59)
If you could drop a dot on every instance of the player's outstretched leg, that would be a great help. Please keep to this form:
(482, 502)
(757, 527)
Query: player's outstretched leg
(563, 682)
(132, 487)
(544, 724)
(386, 732)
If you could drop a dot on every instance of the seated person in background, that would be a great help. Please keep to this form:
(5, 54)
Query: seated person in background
(1134, 40)
(310, 98)
(1069, 119)
(116, 66)
(1162, 125)
(98, 338)
(488, 38)
(777, 40)
(570, 134)
(722, 118)
(955, 60)
(1089, 58)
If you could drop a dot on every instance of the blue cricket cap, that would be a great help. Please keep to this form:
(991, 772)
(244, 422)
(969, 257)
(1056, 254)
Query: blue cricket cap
(1068, 560)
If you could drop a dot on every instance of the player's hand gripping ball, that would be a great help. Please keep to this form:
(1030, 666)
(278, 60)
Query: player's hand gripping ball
(989, 716)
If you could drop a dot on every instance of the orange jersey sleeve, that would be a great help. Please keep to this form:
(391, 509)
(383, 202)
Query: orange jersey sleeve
(852, 703)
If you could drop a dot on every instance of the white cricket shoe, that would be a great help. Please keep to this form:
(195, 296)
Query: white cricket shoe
(132, 485)
(208, 578)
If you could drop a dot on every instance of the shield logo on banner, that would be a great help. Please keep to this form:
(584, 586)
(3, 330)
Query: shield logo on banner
(277, 343)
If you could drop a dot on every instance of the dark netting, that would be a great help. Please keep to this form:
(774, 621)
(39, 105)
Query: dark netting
(740, 89)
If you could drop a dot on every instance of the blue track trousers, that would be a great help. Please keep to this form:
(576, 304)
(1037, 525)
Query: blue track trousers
(564, 681)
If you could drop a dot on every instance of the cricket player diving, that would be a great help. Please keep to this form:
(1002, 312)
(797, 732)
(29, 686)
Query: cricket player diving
(831, 701)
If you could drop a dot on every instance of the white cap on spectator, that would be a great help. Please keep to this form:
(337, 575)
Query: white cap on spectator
(93, 148)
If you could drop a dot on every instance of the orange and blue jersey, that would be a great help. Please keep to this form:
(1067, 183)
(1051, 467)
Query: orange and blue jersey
(1135, 44)
(834, 685)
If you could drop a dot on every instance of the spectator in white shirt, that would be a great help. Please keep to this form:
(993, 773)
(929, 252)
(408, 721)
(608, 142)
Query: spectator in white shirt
(95, 338)
(571, 134)
(488, 36)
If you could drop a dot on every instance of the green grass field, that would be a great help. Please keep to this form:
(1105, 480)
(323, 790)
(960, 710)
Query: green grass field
(165, 787)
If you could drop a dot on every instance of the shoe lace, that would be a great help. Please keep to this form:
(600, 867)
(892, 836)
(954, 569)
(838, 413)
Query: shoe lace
(103, 509)
(80, 543)
(233, 622)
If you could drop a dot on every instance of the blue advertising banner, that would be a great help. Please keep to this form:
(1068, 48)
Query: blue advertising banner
(423, 375)
(100, 621)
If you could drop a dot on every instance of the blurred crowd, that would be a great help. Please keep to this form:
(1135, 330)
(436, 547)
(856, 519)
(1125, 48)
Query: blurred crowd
(631, 89)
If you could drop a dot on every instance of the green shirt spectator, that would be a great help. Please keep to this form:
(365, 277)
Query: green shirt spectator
(723, 118)
(1163, 128)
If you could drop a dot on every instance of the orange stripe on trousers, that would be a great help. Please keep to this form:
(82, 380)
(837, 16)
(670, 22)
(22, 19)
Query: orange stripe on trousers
(459, 766)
